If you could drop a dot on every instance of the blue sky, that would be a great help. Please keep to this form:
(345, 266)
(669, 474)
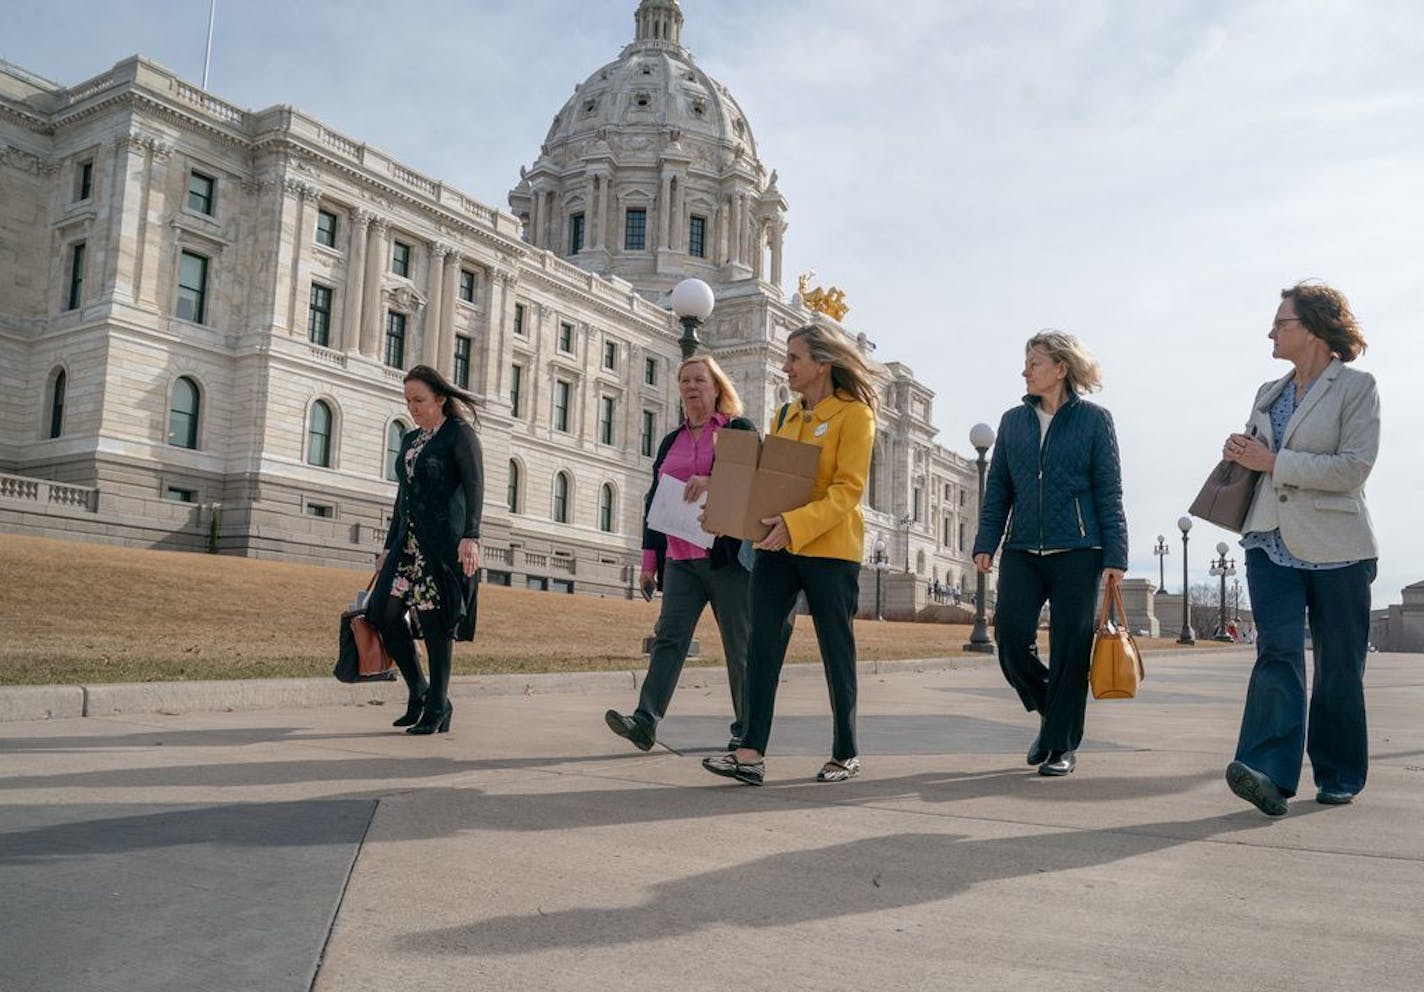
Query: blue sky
(1145, 175)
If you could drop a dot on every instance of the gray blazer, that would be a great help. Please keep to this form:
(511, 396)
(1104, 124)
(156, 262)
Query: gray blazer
(1316, 493)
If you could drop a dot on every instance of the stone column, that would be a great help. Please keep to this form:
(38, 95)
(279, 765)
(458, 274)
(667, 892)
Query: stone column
(445, 354)
(155, 210)
(734, 230)
(664, 211)
(434, 311)
(299, 273)
(376, 252)
(536, 214)
(778, 236)
(355, 280)
(498, 321)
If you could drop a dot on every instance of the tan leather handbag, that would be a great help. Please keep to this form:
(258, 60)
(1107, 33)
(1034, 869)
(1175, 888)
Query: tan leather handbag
(1117, 668)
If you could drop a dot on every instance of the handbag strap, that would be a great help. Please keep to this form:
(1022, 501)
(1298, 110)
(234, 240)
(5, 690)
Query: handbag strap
(1122, 613)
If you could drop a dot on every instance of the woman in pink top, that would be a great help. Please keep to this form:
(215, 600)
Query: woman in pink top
(690, 577)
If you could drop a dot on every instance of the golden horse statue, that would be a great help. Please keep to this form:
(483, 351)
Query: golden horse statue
(830, 302)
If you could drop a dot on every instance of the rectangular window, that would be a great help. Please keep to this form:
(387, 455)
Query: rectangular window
(192, 287)
(467, 285)
(83, 181)
(395, 339)
(960, 546)
(915, 500)
(610, 354)
(400, 259)
(575, 234)
(697, 237)
(645, 439)
(566, 337)
(607, 409)
(516, 387)
(650, 371)
(76, 276)
(948, 492)
(519, 319)
(635, 230)
(961, 497)
(320, 510)
(562, 391)
(319, 315)
(326, 228)
(178, 495)
(200, 192)
(462, 361)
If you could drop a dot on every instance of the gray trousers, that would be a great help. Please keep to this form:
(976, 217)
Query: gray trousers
(688, 587)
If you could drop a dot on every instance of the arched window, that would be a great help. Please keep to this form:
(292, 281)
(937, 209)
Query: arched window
(56, 404)
(394, 434)
(183, 414)
(512, 493)
(561, 498)
(605, 508)
(319, 434)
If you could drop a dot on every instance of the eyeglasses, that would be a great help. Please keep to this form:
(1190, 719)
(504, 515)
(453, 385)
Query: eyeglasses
(1276, 324)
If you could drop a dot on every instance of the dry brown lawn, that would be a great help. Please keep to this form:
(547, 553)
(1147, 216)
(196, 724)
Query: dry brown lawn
(74, 613)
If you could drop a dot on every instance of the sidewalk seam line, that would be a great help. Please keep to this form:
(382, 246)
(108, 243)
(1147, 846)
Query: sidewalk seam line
(341, 896)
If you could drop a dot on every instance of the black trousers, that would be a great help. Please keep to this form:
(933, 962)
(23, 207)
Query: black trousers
(395, 634)
(1058, 691)
(832, 588)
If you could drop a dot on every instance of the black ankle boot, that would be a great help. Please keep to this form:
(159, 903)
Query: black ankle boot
(433, 721)
(414, 706)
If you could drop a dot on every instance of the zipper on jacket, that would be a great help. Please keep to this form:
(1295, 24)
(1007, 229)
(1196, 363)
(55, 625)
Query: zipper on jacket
(1078, 509)
(1042, 452)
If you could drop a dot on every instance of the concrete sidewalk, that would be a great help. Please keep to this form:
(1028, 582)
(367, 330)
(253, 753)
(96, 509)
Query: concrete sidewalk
(530, 849)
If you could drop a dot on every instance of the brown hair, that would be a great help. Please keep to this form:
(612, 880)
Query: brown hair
(458, 403)
(1326, 313)
(850, 373)
(728, 401)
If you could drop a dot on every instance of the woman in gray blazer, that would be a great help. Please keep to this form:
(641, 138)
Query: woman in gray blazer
(1310, 556)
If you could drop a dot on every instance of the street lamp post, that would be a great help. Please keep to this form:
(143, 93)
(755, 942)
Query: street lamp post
(877, 562)
(1236, 600)
(1223, 567)
(1188, 636)
(692, 301)
(981, 436)
(1161, 551)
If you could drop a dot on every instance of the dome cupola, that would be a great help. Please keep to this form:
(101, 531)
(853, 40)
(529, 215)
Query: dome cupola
(650, 172)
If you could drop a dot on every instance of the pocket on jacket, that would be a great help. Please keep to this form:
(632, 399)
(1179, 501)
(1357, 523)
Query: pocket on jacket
(1340, 504)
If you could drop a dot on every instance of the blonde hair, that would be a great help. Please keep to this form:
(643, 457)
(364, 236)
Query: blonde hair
(1084, 373)
(850, 372)
(728, 401)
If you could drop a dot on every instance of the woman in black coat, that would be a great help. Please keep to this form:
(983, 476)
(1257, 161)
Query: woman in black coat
(1055, 486)
(435, 534)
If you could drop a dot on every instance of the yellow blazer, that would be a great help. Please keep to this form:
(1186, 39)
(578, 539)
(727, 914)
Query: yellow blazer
(831, 525)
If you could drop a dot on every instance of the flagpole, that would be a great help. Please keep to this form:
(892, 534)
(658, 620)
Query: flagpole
(208, 54)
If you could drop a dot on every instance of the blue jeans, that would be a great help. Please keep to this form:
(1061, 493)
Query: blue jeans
(1335, 603)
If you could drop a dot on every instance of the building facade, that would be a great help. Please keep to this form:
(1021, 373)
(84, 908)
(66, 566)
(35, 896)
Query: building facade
(206, 313)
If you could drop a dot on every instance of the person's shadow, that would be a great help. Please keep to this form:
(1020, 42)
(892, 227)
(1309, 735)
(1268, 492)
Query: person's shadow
(860, 876)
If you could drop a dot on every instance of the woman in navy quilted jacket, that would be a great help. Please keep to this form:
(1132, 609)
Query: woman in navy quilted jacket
(1056, 484)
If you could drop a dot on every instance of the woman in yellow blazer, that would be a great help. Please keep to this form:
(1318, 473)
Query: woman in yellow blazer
(815, 549)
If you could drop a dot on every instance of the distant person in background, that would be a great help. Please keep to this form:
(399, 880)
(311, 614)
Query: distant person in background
(432, 551)
(691, 577)
(813, 549)
(1310, 556)
(1055, 483)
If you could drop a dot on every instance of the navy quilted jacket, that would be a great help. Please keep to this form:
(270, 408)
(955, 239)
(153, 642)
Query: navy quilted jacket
(1065, 493)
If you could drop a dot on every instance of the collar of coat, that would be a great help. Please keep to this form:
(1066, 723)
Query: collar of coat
(1329, 375)
(1034, 402)
(827, 409)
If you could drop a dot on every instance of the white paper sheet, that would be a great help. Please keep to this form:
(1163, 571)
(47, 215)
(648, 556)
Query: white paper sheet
(674, 516)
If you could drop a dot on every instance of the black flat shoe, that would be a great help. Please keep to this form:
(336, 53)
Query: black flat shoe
(433, 721)
(727, 765)
(1059, 763)
(413, 708)
(629, 729)
(1256, 788)
(1037, 753)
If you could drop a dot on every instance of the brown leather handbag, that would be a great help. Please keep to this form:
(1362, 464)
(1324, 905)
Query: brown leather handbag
(360, 655)
(1225, 497)
(1116, 670)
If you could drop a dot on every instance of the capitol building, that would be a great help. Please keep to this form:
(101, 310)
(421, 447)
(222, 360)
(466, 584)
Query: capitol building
(206, 313)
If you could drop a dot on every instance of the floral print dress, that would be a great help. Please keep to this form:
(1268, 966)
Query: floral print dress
(414, 583)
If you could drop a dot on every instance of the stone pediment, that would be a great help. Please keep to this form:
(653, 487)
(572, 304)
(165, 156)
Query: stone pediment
(405, 298)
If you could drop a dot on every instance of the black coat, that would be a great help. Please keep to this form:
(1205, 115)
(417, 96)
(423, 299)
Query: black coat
(724, 549)
(442, 499)
(1062, 492)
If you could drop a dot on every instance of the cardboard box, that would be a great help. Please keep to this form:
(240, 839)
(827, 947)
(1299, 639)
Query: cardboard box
(752, 479)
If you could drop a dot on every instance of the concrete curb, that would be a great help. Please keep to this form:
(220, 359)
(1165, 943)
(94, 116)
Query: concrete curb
(55, 702)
